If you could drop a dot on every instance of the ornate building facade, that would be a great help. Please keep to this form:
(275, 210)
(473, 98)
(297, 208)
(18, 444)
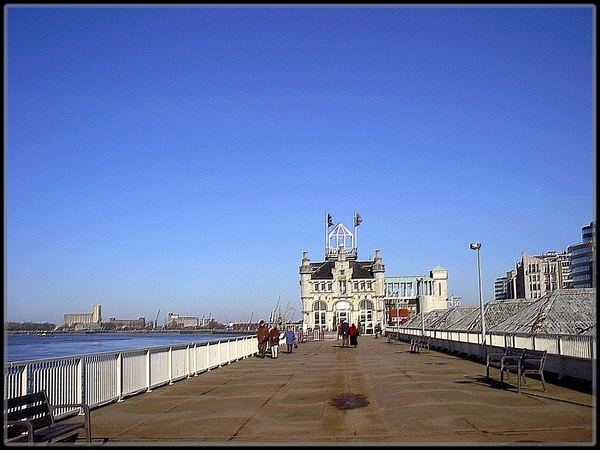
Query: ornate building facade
(342, 287)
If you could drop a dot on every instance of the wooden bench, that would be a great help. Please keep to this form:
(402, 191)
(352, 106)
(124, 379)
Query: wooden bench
(520, 361)
(418, 343)
(30, 418)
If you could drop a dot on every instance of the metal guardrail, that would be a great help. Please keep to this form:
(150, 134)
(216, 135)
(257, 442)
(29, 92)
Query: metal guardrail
(568, 355)
(103, 378)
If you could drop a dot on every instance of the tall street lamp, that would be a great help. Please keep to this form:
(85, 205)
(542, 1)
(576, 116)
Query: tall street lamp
(421, 306)
(477, 246)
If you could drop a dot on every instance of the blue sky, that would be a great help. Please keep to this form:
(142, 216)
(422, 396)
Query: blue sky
(183, 158)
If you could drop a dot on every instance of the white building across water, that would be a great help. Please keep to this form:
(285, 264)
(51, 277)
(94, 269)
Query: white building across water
(344, 287)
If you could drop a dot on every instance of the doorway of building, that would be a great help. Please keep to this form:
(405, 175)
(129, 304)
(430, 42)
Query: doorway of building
(342, 311)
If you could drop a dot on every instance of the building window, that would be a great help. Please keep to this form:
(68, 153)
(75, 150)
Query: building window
(366, 313)
(319, 309)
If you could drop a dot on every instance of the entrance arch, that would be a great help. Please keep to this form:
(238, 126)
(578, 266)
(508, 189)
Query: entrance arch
(342, 310)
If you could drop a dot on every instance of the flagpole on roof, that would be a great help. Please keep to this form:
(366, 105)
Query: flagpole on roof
(328, 223)
(355, 233)
(357, 221)
(326, 230)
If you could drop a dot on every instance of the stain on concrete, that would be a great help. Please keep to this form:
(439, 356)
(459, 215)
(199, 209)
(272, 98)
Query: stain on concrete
(349, 401)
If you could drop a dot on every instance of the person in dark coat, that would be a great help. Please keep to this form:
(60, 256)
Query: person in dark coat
(353, 336)
(274, 340)
(263, 338)
(345, 332)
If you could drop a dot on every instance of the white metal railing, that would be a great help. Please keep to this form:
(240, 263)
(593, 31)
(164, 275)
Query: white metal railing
(576, 346)
(102, 378)
(567, 354)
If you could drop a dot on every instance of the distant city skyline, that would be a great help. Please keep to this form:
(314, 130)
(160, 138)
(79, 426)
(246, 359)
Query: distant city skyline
(184, 157)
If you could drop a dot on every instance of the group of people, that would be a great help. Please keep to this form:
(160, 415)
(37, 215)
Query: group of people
(268, 338)
(348, 333)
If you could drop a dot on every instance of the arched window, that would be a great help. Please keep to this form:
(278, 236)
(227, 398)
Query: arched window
(319, 309)
(366, 313)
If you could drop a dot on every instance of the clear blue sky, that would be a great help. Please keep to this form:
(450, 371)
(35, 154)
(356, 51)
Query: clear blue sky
(184, 158)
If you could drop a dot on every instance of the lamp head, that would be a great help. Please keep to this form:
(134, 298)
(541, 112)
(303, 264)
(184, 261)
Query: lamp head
(475, 246)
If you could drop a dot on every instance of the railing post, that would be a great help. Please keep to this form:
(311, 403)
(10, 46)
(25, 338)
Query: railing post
(188, 363)
(195, 350)
(24, 377)
(119, 375)
(170, 365)
(148, 381)
(208, 356)
(80, 388)
(219, 345)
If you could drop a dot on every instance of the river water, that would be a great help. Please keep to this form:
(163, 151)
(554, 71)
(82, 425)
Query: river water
(31, 347)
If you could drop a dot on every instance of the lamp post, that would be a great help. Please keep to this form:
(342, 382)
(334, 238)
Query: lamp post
(477, 246)
(421, 306)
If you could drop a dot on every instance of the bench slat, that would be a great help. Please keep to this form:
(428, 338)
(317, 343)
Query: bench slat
(37, 397)
(28, 412)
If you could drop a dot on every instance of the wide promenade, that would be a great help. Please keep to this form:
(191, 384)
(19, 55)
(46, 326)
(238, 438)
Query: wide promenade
(413, 399)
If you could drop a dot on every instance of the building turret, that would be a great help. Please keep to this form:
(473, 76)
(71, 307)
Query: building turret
(379, 274)
(305, 273)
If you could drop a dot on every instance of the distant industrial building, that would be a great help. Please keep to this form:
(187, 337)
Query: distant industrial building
(176, 321)
(137, 324)
(206, 321)
(85, 321)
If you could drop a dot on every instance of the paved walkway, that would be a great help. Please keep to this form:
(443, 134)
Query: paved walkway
(426, 398)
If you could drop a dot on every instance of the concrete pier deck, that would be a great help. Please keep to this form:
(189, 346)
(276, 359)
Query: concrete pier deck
(413, 399)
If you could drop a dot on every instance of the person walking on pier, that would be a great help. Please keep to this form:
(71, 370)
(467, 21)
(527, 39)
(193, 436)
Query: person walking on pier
(263, 338)
(345, 329)
(274, 340)
(290, 339)
(353, 336)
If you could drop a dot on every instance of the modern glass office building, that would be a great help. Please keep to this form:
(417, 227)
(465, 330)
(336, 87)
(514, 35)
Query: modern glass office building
(583, 258)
